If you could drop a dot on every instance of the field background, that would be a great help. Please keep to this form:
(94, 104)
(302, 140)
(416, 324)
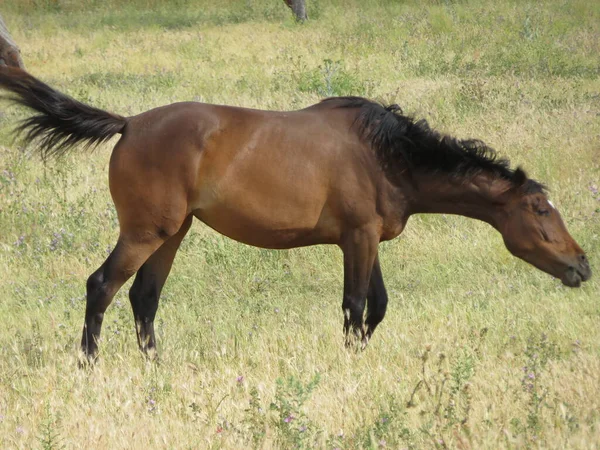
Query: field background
(478, 350)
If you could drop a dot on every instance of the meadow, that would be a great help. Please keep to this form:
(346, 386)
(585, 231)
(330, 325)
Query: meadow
(478, 350)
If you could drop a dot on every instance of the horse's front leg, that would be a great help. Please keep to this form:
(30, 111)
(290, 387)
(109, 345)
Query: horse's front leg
(377, 300)
(360, 250)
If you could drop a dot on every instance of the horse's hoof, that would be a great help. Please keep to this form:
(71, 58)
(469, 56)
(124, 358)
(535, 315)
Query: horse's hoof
(86, 362)
(151, 356)
(364, 342)
(353, 343)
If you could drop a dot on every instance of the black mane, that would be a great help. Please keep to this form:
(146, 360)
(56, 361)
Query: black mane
(395, 137)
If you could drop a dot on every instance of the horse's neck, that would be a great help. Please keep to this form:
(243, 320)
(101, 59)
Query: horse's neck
(481, 197)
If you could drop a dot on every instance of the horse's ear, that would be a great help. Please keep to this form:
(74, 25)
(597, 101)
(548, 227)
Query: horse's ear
(520, 177)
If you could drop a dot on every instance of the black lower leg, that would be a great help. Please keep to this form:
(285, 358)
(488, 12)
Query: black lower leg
(102, 285)
(377, 300)
(353, 308)
(148, 284)
(98, 299)
(144, 296)
(360, 251)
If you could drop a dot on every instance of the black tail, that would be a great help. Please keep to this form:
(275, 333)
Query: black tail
(62, 122)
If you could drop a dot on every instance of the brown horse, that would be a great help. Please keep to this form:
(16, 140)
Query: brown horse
(346, 171)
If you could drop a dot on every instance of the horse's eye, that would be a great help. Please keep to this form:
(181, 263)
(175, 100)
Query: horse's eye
(543, 212)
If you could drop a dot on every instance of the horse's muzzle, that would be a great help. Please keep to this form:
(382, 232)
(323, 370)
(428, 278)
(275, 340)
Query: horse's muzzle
(577, 273)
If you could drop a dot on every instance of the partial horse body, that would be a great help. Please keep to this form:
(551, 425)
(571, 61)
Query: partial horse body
(345, 171)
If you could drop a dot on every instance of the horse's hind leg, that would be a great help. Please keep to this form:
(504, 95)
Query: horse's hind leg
(377, 300)
(129, 254)
(149, 281)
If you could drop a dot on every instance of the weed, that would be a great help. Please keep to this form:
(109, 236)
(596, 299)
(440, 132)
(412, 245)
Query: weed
(538, 353)
(390, 428)
(294, 427)
(50, 438)
(446, 400)
(330, 79)
(529, 31)
(32, 347)
(256, 418)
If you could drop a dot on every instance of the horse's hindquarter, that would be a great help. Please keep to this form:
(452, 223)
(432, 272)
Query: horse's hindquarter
(273, 179)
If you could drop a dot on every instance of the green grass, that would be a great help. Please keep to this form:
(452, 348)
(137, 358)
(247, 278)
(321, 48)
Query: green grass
(478, 350)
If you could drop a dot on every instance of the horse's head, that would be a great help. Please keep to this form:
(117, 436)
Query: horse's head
(534, 231)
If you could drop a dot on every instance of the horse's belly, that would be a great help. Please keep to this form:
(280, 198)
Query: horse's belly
(269, 222)
(263, 194)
